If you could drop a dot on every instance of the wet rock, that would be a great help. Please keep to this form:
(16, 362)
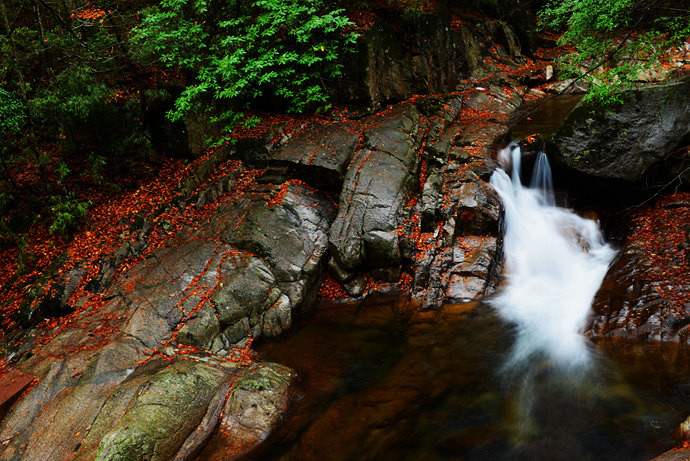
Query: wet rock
(646, 293)
(378, 181)
(466, 211)
(157, 410)
(258, 401)
(622, 141)
(474, 259)
(288, 231)
(321, 153)
(165, 289)
(282, 233)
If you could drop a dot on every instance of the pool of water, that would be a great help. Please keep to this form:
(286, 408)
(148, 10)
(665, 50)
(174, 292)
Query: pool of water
(546, 117)
(380, 380)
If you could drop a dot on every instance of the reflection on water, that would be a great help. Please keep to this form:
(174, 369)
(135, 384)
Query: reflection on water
(546, 119)
(379, 381)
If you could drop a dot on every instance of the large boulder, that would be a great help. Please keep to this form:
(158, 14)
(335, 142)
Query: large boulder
(622, 141)
(378, 182)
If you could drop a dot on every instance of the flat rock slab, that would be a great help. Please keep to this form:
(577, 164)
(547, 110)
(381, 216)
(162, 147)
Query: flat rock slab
(321, 153)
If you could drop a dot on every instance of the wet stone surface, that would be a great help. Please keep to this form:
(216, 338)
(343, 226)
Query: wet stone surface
(646, 294)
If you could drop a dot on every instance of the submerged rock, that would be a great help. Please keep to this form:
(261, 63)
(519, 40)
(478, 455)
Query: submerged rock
(622, 141)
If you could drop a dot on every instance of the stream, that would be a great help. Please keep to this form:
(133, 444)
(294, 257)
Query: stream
(380, 381)
(510, 378)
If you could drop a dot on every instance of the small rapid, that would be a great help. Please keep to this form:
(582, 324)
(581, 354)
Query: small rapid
(555, 263)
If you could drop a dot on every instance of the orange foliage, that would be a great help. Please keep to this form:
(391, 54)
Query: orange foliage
(332, 290)
(89, 14)
(107, 229)
(663, 230)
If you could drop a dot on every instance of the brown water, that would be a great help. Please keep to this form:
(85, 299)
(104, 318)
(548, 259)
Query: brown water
(380, 382)
(547, 117)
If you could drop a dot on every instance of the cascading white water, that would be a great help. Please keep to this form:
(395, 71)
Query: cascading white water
(555, 262)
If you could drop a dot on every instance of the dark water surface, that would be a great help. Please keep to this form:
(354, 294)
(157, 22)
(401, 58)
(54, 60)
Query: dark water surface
(379, 381)
(547, 117)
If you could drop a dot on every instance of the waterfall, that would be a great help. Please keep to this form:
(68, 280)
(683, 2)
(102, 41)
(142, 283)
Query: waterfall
(555, 262)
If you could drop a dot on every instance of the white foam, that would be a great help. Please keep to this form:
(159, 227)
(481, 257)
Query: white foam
(555, 263)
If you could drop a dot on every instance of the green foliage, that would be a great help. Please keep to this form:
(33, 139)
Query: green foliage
(12, 113)
(600, 32)
(235, 52)
(68, 212)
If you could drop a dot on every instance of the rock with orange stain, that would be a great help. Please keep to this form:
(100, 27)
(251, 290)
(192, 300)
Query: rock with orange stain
(379, 179)
(321, 153)
(646, 293)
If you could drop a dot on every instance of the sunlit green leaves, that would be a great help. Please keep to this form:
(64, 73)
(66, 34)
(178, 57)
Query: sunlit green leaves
(600, 31)
(237, 53)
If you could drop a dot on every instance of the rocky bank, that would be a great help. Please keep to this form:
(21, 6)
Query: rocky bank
(156, 363)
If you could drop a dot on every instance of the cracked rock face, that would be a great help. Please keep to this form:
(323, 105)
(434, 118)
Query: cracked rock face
(379, 179)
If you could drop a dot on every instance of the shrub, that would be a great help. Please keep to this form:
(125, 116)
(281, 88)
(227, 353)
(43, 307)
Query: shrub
(234, 53)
